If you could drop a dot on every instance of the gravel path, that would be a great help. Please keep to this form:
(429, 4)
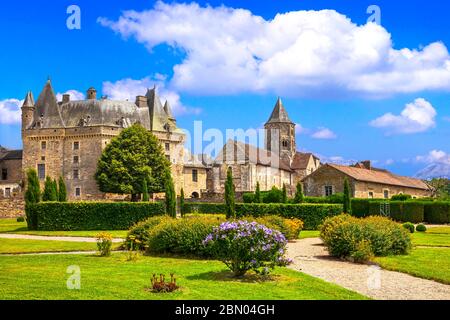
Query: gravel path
(311, 257)
(54, 238)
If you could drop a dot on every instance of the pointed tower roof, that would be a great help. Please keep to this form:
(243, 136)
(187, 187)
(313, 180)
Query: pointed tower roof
(158, 117)
(168, 110)
(279, 113)
(47, 107)
(29, 100)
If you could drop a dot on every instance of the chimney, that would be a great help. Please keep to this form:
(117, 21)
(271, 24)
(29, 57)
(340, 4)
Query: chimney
(141, 101)
(367, 164)
(92, 94)
(66, 98)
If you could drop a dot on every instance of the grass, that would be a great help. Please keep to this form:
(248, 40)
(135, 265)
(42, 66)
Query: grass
(430, 239)
(45, 277)
(12, 226)
(36, 246)
(309, 234)
(427, 263)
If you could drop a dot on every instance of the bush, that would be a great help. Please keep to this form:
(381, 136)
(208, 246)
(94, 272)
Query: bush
(67, 216)
(139, 234)
(360, 207)
(275, 195)
(437, 212)
(421, 228)
(409, 226)
(401, 197)
(182, 236)
(205, 208)
(245, 246)
(290, 228)
(20, 219)
(104, 244)
(360, 238)
(409, 211)
(248, 198)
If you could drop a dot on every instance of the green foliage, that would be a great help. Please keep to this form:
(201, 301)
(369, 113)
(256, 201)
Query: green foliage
(409, 226)
(299, 195)
(104, 244)
(171, 197)
(258, 196)
(275, 195)
(337, 198)
(56, 189)
(20, 219)
(249, 197)
(437, 212)
(182, 203)
(32, 196)
(401, 197)
(360, 238)
(290, 228)
(139, 234)
(230, 195)
(73, 216)
(205, 208)
(442, 187)
(50, 193)
(284, 194)
(407, 211)
(347, 197)
(421, 228)
(134, 155)
(62, 190)
(145, 195)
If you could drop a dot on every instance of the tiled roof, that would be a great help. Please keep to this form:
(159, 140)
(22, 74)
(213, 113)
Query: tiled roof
(301, 160)
(381, 177)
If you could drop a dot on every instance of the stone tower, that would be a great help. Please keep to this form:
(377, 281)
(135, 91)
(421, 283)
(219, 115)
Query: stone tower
(280, 133)
(27, 111)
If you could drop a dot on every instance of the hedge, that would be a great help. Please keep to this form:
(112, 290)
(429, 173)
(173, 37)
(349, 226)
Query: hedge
(437, 212)
(60, 216)
(407, 211)
(311, 214)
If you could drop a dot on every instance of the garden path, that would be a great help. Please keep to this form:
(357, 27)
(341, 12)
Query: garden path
(54, 238)
(311, 257)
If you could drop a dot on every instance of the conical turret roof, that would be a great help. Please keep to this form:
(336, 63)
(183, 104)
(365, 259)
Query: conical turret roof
(29, 100)
(279, 113)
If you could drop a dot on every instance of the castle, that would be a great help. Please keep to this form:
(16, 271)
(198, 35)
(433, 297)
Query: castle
(66, 138)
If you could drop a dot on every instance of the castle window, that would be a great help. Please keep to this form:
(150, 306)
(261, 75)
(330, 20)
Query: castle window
(77, 192)
(41, 171)
(44, 145)
(386, 194)
(328, 191)
(4, 174)
(167, 146)
(76, 159)
(43, 158)
(76, 145)
(76, 174)
(370, 195)
(285, 144)
(195, 175)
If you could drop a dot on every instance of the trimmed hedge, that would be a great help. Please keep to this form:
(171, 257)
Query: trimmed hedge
(60, 216)
(205, 208)
(437, 212)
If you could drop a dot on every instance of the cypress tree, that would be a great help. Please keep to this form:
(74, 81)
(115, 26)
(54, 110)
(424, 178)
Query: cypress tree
(33, 192)
(49, 191)
(56, 189)
(230, 195)
(62, 192)
(284, 194)
(145, 195)
(299, 196)
(171, 200)
(182, 202)
(258, 197)
(347, 197)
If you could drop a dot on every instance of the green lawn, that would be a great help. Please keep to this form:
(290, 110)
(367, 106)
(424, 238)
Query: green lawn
(12, 226)
(430, 239)
(44, 277)
(309, 234)
(428, 263)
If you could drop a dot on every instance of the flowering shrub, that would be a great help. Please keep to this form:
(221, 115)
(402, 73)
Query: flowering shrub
(290, 228)
(104, 244)
(245, 246)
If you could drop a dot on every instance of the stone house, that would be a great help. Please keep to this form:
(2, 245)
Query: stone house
(10, 173)
(365, 182)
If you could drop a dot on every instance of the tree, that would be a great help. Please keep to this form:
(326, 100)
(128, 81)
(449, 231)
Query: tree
(284, 194)
(258, 196)
(347, 197)
(33, 191)
(55, 187)
(299, 195)
(230, 195)
(130, 157)
(49, 190)
(171, 199)
(62, 192)
(182, 202)
(145, 195)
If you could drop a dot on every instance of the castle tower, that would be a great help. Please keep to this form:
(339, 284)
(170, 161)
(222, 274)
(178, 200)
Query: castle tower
(28, 111)
(92, 94)
(280, 133)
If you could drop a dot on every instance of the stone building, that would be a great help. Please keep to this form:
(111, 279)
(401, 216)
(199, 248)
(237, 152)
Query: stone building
(10, 173)
(365, 182)
(66, 138)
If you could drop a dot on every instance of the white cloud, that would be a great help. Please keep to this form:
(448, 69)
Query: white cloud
(299, 129)
(324, 134)
(128, 89)
(418, 116)
(74, 95)
(10, 111)
(297, 53)
(438, 165)
(435, 156)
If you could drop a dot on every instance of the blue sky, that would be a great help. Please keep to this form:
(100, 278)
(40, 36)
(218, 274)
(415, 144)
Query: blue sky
(345, 115)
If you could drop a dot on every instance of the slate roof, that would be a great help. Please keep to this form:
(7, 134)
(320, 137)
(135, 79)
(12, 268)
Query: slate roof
(279, 114)
(6, 154)
(380, 176)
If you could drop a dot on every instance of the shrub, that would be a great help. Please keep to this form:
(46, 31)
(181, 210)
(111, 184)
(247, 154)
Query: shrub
(67, 216)
(159, 285)
(347, 197)
(360, 238)
(360, 207)
(20, 219)
(230, 198)
(62, 190)
(170, 196)
(409, 226)
(258, 195)
(421, 228)
(401, 197)
(299, 195)
(50, 193)
(290, 228)
(104, 244)
(139, 234)
(437, 212)
(249, 197)
(205, 208)
(275, 195)
(245, 246)
(182, 212)
(182, 236)
(407, 211)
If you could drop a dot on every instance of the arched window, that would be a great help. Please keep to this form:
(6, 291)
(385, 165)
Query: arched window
(195, 195)
(285, 144)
